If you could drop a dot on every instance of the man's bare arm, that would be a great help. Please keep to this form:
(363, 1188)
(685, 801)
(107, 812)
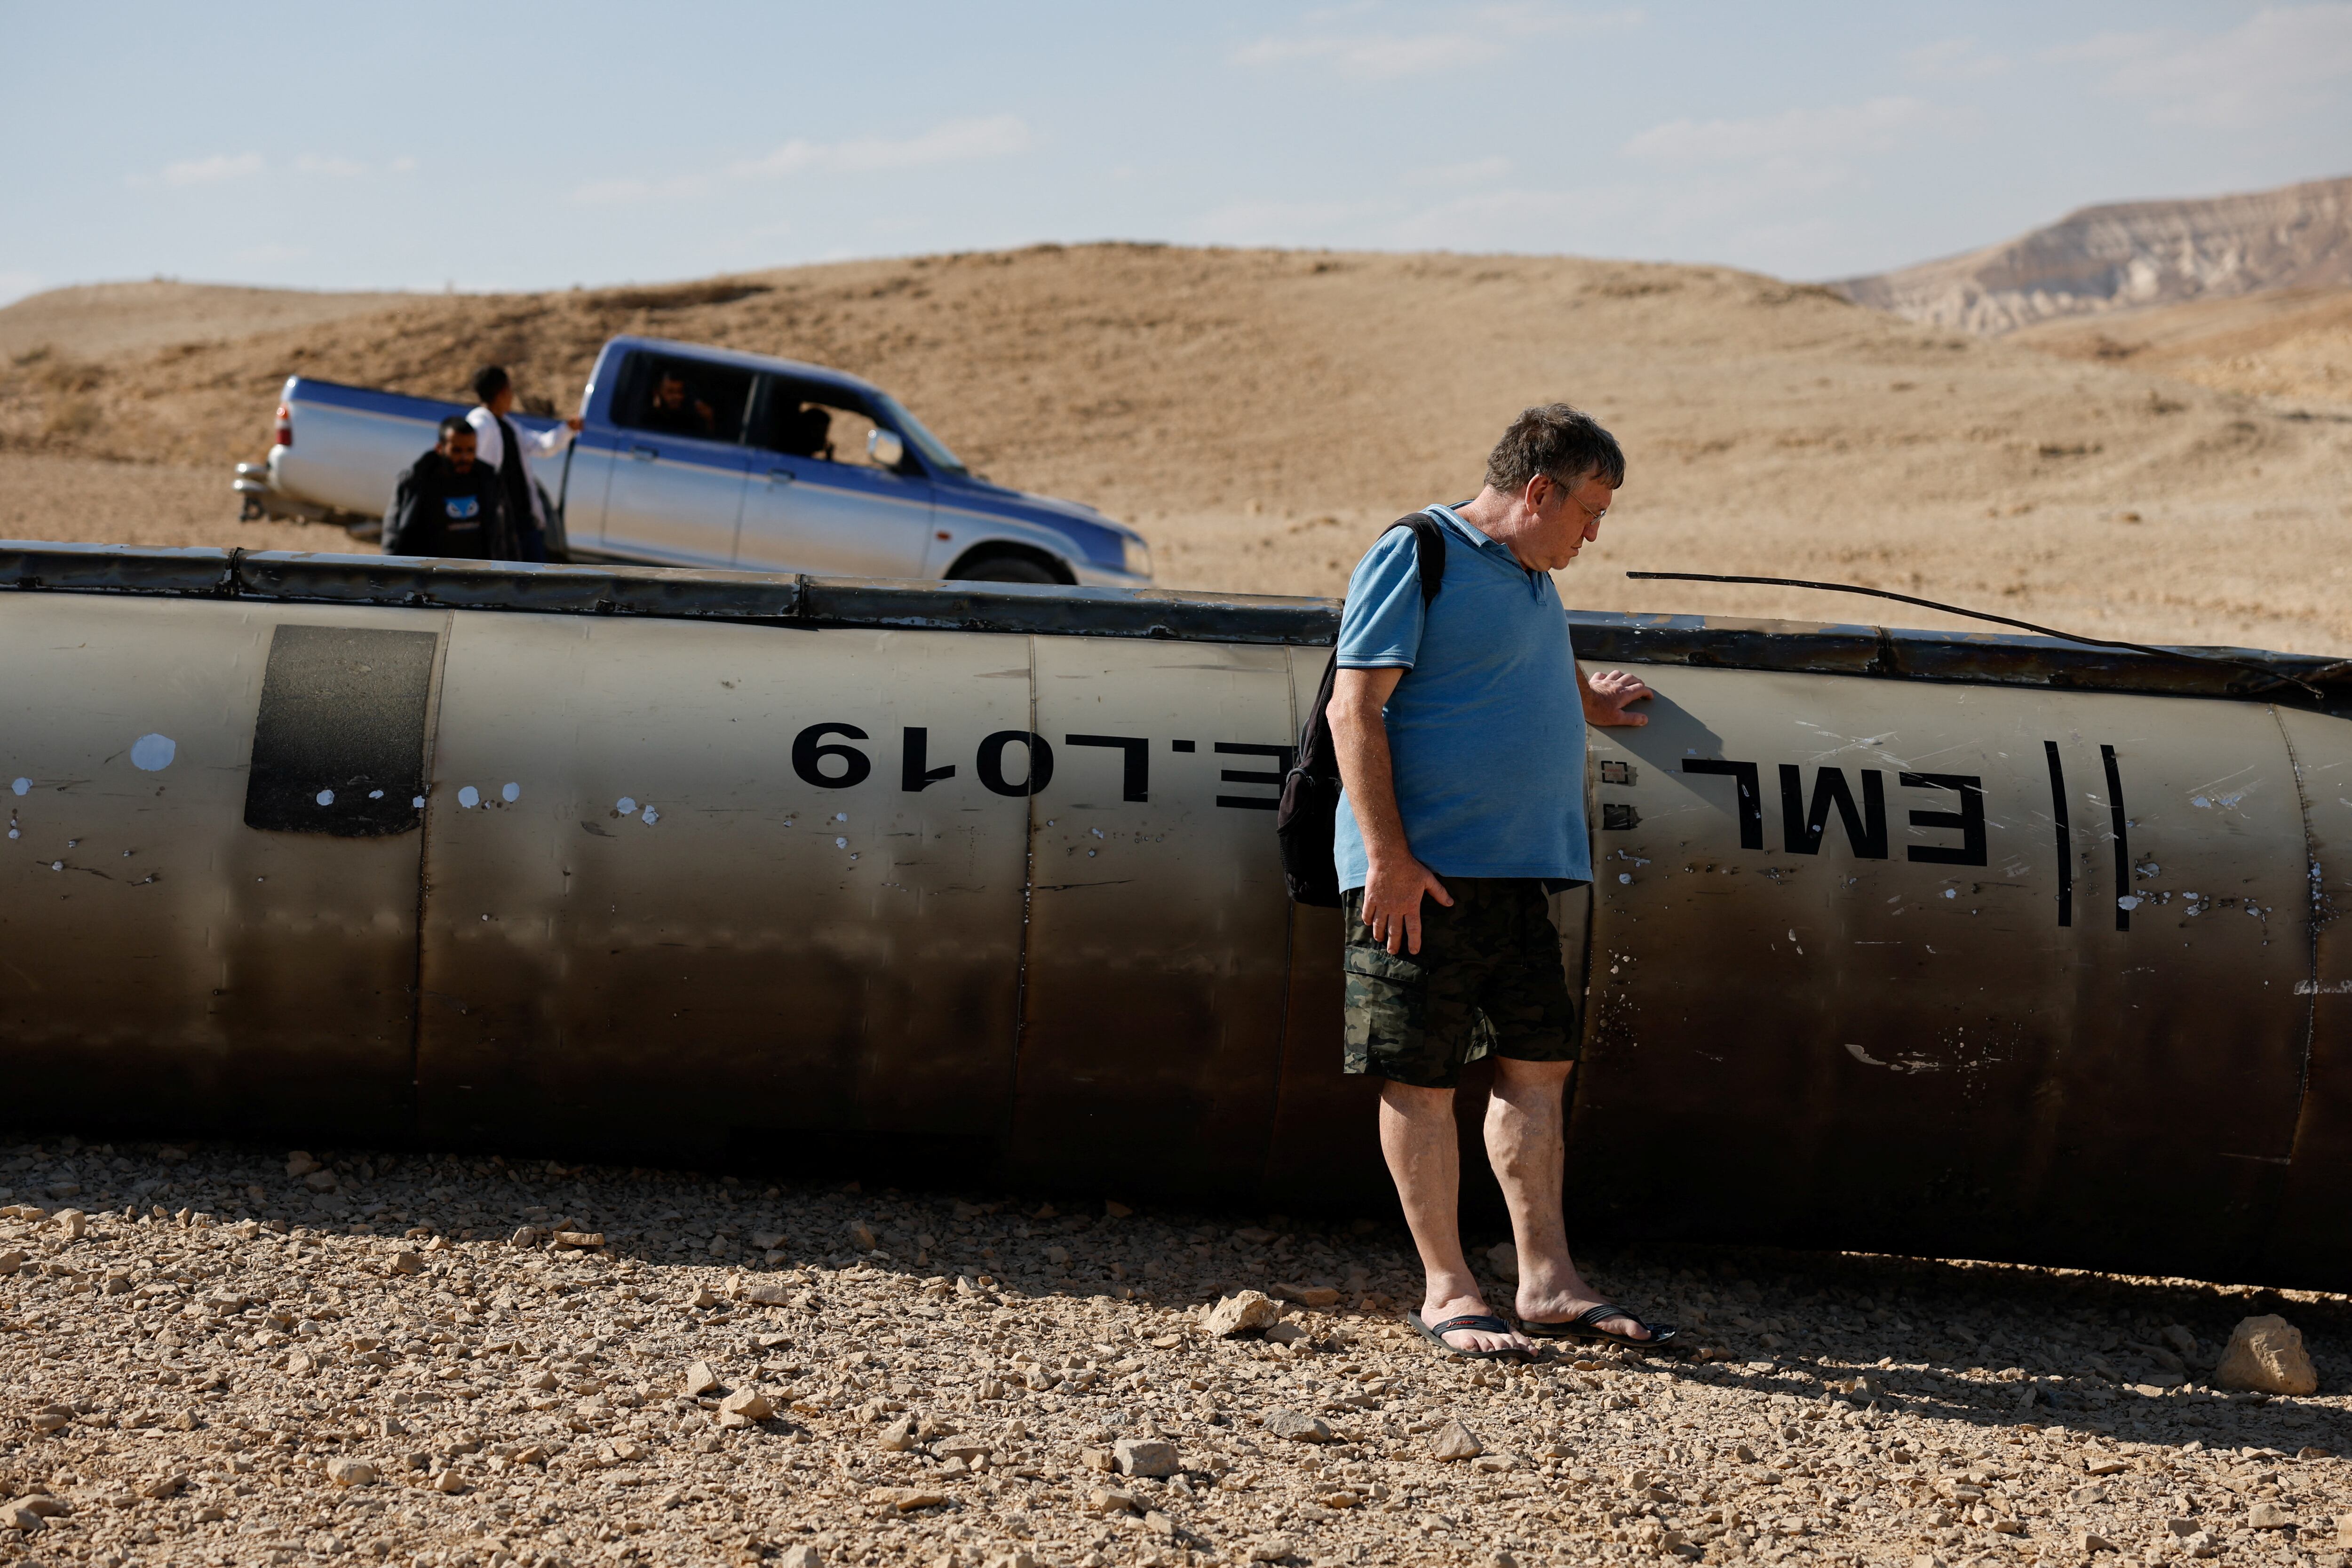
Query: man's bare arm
(1395, 880)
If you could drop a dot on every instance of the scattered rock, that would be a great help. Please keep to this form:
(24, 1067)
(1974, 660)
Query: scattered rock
(407, 1263)
(1271, 1550)
(700, 1379)
(907, 1500)
(2268, 1516)
(73, 1222)
(1318, 1297)
(1144, 1456)
(1503, 1257)
(2266, 1354)
(898, 1438)
(20, 1517)
(1104, 1500)
(861, 1236)
(163, 1487)
(1454, 1441)
(802, 1556)
(345, 1471)
(1242, 1314)
(768, 1294)
(1296, 1425)
(747, 1402)
(300, 1163)
(575, 1240)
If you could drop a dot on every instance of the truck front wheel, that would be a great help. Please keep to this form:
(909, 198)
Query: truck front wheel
(1006, 566)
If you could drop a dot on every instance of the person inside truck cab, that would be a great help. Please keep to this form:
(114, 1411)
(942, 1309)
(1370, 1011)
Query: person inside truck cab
(449, 503)
(674, 408)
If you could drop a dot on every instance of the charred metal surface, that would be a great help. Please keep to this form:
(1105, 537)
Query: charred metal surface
(339, 741)
(1979, 946)
(1874, 1028)
(166, 962)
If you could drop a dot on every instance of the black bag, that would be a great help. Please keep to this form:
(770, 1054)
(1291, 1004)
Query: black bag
(1310, 792)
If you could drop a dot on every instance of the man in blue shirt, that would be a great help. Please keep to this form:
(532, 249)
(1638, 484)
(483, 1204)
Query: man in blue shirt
(1460, 733)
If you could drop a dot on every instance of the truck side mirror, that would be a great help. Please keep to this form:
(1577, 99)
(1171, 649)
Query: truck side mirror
(884, 448)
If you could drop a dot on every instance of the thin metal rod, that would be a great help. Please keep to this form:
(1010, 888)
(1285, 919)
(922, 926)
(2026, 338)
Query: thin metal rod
(2261, 670)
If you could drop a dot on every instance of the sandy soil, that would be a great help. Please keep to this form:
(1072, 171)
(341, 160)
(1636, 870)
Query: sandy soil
(235, 1357)
(1261, 415)
(2294, 345)
(103, 318)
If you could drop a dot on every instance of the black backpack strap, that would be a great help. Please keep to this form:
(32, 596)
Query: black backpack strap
(1317, 757)
(1310, 792)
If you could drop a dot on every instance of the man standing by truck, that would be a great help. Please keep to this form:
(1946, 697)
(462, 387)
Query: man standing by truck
(507, 452)
(1458, 722)
(449, 503)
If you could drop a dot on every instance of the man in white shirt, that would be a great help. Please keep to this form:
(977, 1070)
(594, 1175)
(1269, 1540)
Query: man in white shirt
(507, 451)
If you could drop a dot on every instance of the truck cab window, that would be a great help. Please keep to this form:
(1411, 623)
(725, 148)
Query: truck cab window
(674, 396)
(809, 419)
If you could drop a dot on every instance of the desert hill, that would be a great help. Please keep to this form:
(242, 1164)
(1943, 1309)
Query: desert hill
(1260, 415)
(2288, 343)
(2129, 256)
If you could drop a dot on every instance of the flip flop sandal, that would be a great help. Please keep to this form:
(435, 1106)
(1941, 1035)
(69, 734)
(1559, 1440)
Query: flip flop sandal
(1585, 1328)
(1435, 1334)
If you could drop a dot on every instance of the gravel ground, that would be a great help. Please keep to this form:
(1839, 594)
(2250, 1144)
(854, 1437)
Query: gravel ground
(212, 1355)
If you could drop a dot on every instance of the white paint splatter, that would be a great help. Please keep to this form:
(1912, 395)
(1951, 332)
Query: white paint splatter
(418, 803)
(841, 844)
(56, 865)
(22, 786)
(2328, 988)
(841, 816)
(469, 797)
(2128, 901)
(1624, 876)
(375, 795)
(1951, 892)
(151, 754)
(511, 794)
(649, 817)
(1864, 1058)
(326, 798)
(624, 806)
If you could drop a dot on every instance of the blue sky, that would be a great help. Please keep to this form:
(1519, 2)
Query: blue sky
(490, 147)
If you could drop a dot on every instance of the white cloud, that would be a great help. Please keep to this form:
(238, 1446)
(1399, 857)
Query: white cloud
(1874, 127)
(1477, 172)
(335, 168)
(1953, 59)
(1378, 56)
(403, 165)
(16, 285)
(1281, 223)
(212, 171)
(2282, 60)
(956, 142)
(1483, 35)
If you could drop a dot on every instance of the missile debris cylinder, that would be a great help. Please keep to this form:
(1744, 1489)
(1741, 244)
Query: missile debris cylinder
(1954, 944)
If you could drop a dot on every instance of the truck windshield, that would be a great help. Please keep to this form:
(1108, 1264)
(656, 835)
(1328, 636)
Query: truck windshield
(934, 450)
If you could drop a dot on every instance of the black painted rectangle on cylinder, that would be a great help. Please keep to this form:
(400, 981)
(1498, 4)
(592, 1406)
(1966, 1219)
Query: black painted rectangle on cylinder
(339, 743)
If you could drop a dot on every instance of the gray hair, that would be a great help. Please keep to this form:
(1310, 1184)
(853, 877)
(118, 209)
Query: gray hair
(1553, 438)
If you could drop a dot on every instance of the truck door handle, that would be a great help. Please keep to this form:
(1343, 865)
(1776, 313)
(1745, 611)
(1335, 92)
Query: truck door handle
(645, 454)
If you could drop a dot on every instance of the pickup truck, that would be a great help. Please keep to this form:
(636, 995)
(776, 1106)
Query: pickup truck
(707, 457)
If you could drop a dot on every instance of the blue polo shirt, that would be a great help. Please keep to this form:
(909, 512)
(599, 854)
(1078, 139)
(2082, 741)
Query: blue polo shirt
(1486, 728)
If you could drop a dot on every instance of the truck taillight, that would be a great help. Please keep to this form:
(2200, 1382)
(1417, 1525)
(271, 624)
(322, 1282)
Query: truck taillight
(285, 427)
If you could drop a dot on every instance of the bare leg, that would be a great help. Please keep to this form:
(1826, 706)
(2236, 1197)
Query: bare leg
(1527, 1139)
(1417, 1134)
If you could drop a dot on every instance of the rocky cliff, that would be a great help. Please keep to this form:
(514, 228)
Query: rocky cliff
(2128, 256)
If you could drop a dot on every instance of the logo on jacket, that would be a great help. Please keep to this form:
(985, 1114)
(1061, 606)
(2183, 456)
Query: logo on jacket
(464, 509)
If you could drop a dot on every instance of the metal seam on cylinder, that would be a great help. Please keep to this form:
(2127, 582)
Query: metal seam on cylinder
(2311, 904)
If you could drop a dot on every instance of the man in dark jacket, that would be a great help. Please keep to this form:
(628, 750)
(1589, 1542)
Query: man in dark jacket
(449, 504)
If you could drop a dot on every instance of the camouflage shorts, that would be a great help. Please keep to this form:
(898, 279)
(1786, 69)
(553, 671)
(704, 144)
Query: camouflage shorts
(1486, 981)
